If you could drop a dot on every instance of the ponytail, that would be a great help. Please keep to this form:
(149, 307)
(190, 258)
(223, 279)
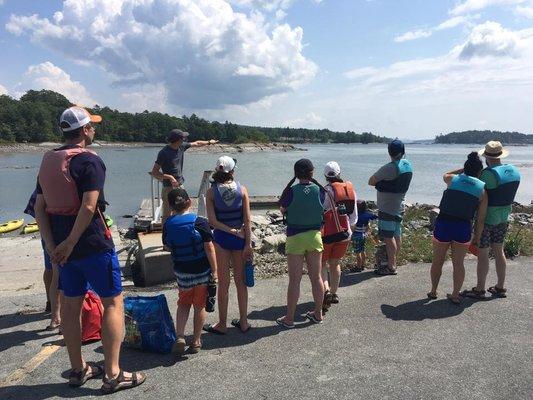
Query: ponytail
(287, 188)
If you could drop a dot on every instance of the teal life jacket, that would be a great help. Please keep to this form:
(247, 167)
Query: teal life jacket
(306, 209)
(461, 199)
(401, 183)
(508, 179)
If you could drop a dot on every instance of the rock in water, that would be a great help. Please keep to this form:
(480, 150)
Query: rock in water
(274, 243)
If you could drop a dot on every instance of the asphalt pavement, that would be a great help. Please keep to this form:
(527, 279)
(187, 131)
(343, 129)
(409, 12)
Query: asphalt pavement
(384, 340)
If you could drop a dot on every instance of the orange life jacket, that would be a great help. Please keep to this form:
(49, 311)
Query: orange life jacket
(336, 226)
(344, 194)
(59, 188)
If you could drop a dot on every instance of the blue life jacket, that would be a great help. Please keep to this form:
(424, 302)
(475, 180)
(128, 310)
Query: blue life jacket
(306, 210)
(461, 199)
(232, 215)
(401, 183)
(508, 179)
(184, 240)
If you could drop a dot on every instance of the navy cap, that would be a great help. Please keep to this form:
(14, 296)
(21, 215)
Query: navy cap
(176, 134)
(396, 147)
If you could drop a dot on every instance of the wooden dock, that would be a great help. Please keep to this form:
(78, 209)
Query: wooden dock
(153, 262)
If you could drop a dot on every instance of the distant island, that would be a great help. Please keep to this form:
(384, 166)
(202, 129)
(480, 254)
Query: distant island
(482, 137)
(33, 119)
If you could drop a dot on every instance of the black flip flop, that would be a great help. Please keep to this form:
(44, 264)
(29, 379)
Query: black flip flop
(237, 324)
(209, 328)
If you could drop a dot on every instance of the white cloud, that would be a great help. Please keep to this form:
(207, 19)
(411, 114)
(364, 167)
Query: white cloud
(468, 6)
(47, 76)
(525, 11)
(424, 33)
(204, 53)
(148, 97)
(360, 72)
(3, 90)
(412, 35)
(491, 39)
(452, 23)
(268, 5)
(310, 120)
(491, 57)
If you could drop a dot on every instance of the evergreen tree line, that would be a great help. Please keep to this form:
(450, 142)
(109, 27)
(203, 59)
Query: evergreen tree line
(482, 137)
(34, 118)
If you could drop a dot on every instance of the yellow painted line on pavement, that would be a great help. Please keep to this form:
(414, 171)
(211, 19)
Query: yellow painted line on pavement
(23, 371)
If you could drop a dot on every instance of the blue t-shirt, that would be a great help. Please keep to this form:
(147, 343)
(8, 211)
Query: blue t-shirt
(88, 171)
(363, 220)
(286, 200)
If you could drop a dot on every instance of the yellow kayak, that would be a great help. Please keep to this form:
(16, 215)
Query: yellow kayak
(32, 227)
(11, 225)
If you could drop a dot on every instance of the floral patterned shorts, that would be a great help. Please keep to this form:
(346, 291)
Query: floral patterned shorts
(493, 234)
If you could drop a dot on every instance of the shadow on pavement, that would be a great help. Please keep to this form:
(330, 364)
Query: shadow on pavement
(137, 360)
(45, 391)
(18, 338)
(274, 312)
(235, 337)
(353, 278)
(419, 310)
(11, 320)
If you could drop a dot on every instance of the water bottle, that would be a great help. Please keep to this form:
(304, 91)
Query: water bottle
(211, 296)
(249, 274)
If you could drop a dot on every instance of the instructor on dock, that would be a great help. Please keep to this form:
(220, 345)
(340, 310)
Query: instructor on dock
(169, 164)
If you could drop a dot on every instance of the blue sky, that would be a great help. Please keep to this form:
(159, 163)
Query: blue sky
(406, 68)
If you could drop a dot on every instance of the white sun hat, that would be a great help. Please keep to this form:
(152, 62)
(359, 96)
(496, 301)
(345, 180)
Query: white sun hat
(493, 149)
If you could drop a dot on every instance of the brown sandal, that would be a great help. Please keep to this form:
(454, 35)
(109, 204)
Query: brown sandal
(194, 348)
(121, 382)
(454, 300)
(178, 348)
(78, 378)
(432, 296)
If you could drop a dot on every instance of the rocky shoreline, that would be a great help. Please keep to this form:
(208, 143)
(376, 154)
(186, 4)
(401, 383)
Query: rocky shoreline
(268, 234)
(13, 148)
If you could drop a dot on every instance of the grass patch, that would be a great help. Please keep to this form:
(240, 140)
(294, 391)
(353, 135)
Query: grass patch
(519, 241)
(417, 242)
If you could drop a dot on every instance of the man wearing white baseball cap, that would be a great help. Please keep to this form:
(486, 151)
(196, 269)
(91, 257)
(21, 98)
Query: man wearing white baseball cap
(501, 182)
(69, 205)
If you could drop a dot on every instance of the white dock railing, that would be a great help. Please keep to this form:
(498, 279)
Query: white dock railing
(202, 191)
(155, 198)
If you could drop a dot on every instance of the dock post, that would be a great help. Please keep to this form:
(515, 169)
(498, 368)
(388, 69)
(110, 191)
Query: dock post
(152, 200)
(204, 185)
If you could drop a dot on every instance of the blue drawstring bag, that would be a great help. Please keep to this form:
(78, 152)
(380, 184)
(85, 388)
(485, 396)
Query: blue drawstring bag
(148, 323)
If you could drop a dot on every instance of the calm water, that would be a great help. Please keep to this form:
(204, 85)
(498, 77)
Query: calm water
(263, 173)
